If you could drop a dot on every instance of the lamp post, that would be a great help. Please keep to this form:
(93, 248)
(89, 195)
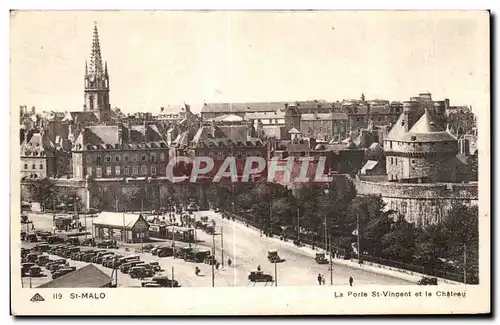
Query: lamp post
(275, 274)
(359, 247)
(222, 245)
(213, 264)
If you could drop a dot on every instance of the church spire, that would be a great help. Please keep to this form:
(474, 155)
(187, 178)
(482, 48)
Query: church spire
(95, 55)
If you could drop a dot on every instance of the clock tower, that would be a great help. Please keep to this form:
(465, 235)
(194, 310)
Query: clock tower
(97, 83)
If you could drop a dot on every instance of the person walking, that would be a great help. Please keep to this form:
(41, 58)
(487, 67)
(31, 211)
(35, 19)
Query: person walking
(319, 279)
(323, 279)
(351, 280)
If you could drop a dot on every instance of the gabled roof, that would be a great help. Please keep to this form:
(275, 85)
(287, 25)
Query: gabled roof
(293, 131)
(87, 277)
(37, 143)
(127, 220)
(80, 117)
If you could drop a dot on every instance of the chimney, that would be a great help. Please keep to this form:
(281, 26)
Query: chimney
(120, 133)
(464, 146)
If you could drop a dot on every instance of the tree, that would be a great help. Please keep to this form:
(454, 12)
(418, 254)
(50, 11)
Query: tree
(399, 244)
(131, 195)
(43, 191)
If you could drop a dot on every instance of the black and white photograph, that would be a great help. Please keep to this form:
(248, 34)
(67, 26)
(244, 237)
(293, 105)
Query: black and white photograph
(339, 151)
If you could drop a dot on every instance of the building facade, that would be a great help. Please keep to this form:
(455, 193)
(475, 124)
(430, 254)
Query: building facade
(114, 151)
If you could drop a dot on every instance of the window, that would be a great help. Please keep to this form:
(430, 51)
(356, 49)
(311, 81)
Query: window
(33, 166)
(89, 158)
(117, 158)
(108, 158)
(89, 170)
(135, 170)
(108, 171)
(392, 161)
(143, 157)
(98, 172)
(117, 170)
(162, 156)
(89, 147)
(396, 161)
(153, 157)
(98, 159)
(25, 166)
(41, 167)
(220, 155)
(413, 161)
(153, 170)
(126, 171)
(390, 144)
(144, 170)
(357, 119)
(125, 158)
(134, 157)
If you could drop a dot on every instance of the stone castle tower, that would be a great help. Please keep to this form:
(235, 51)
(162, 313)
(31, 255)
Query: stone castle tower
(96, 93)
(420, 148)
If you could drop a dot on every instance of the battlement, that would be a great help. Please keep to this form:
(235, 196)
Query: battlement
(457, 191)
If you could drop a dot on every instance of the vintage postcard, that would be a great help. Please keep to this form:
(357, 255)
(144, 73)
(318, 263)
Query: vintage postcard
(250, 162)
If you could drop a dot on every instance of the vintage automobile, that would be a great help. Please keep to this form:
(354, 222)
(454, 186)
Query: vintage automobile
(210, 229)
(165, 252)
(59, 273)
(24, 252)
(320, 258)
(32, 257)
(164, 281)
(258, 276)
(180, 252)
(154, 250)
(107, 244)
(99, 257)
(73, 241)
(124, 268)
(136, 271)
(273, 256)
(25, 267)
(55, 240)
(151, 284)
(155, 266)
(42, 260)
(427, 281)
(43, 235)
(35, 271)
(31, 238)
(196, 255)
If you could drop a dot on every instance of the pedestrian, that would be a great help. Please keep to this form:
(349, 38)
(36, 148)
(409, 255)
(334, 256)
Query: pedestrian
(351, 280)
(319, 279)
(322, 279)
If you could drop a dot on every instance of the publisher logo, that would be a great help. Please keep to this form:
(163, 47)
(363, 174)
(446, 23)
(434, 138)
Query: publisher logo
(36, 298)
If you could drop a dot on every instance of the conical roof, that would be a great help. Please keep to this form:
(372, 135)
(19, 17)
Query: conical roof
(429, 128)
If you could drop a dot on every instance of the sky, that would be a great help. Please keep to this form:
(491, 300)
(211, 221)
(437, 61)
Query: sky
(162, 58)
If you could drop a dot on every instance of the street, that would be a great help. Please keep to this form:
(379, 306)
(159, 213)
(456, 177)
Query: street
(247, 250)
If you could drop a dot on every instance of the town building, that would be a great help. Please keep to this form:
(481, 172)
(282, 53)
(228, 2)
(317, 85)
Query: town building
(114, 151)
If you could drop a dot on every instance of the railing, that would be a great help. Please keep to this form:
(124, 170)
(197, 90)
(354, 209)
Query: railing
(307, 240)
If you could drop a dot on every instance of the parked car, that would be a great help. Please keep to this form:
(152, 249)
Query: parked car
(25, 267)
(35, 271)
(63, 271)
(165, 251)
(156, 266)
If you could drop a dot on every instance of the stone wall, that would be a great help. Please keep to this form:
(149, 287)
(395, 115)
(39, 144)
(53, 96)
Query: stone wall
(422, 204)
